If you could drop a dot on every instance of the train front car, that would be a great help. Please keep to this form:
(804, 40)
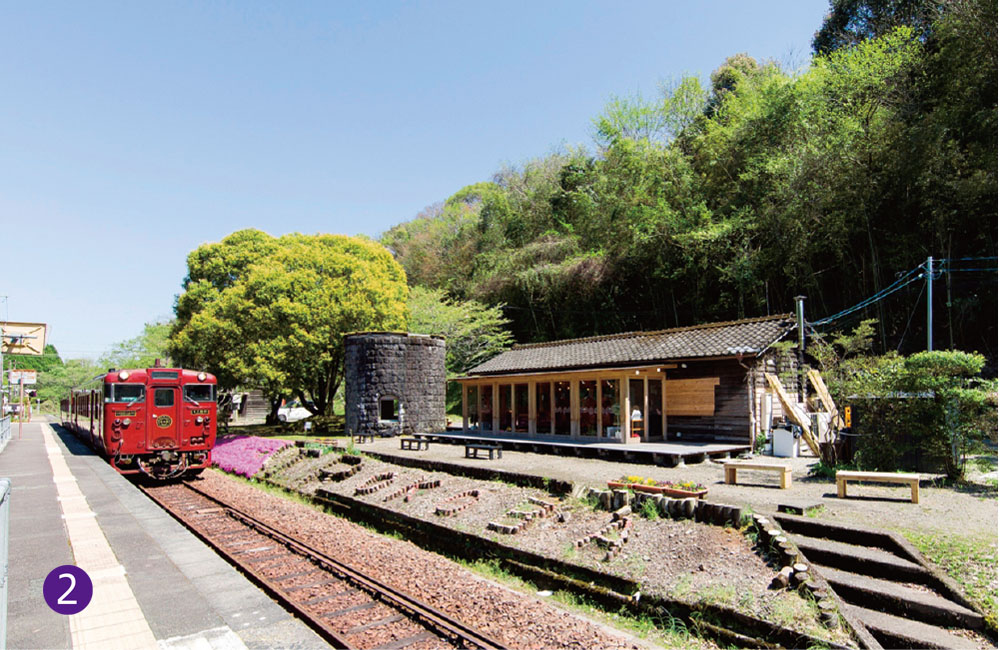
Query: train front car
(159, 421)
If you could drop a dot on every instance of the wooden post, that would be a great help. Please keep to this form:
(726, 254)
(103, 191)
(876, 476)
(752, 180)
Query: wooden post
(600, 409)
(645, 408)
(574, 408)
(465, 408)
(663, 407)
(626, 411)
(816, 380)
(792, 410)
(496, 407)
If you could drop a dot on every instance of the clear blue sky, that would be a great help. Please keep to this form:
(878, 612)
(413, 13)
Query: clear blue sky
(132, 132)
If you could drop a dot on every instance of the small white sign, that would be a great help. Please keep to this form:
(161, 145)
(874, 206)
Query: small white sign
(25, 377)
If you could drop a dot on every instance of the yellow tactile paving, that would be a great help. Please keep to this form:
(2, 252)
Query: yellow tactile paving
(113, 620)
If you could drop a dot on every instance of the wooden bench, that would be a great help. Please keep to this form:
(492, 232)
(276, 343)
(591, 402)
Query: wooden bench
(414, 443)
(472, 450)
(364, 437)
(878, 477)
(785, 470)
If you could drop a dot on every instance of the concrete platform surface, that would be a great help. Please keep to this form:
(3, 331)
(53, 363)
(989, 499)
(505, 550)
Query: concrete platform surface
(155, 584)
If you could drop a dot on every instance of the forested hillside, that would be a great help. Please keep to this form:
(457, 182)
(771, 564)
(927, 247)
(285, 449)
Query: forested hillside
(725, 200)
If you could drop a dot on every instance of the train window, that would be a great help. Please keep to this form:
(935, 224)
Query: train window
(163, 397)
(107, 392)
(126, 393)
(199, 392)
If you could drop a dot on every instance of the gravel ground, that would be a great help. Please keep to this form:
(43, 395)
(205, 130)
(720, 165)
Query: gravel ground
(516, 620)
(673, 558)
(949, 510)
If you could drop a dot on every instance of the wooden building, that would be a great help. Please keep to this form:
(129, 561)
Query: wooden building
(702, 383)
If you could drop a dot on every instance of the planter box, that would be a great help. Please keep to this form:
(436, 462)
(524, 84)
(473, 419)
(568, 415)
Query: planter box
(656, 489)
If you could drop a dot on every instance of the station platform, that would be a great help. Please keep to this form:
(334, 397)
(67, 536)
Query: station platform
(155, 584)
(670, 454)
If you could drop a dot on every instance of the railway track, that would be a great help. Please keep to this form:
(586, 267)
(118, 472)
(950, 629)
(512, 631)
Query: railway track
(346, 607)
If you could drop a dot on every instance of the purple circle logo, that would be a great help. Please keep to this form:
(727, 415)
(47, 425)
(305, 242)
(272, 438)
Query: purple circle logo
(67, 589)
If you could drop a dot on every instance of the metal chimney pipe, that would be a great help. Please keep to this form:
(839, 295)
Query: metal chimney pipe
(800, 321)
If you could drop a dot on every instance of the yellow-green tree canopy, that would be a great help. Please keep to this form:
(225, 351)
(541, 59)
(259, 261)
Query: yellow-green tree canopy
(272, 312)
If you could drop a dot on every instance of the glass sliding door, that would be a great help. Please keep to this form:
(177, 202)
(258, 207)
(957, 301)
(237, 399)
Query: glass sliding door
(506, 408)
(543, 407)
(610, 409)
(472, 404)
(588, 408)
(655, 418)
(521, 408)
(636, 399)
(563, 417)
(486, 406)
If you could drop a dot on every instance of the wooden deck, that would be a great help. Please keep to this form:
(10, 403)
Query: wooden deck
(654, 453)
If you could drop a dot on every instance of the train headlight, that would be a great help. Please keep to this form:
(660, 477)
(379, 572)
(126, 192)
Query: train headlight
(117, 422)
(126, 422)
(202, 376)
(123, 375)
(197, 420)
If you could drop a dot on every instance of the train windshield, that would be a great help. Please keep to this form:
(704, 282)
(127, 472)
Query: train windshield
(199, 392)
(124, 393)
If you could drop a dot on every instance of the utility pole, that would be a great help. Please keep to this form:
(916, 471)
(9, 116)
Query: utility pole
(930, 304)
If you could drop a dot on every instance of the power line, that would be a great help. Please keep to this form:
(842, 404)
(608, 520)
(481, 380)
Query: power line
(906, 278)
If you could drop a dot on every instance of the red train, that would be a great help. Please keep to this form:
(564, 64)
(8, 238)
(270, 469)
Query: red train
(160, 422)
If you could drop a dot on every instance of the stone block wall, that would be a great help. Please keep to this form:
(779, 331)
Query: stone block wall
(405, 367)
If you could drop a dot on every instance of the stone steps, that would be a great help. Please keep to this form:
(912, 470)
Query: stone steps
(886, 586)
(899, 600)
(859, 559)
(897, 632)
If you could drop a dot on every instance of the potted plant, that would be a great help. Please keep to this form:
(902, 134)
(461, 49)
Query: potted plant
(682, 489)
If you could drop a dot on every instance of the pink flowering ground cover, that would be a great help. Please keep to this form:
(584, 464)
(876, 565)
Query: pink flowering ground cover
(245, 455)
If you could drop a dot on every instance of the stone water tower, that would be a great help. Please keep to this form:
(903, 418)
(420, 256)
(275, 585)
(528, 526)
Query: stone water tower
(394, 383)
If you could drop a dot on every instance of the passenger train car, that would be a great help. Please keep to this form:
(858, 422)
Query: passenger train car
(160, 422)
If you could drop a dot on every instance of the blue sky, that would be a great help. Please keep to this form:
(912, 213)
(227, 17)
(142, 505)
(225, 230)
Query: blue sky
(132, 132)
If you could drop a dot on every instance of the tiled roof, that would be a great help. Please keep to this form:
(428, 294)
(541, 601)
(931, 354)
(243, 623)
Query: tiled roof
(747, 337)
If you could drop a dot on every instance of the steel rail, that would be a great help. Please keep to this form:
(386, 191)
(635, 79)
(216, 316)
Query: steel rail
(317, 625)
(464, 634)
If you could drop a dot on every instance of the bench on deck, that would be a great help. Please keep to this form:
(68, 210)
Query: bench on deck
(364, 437)
(472, 450)
(414, 443)
(785, 470)
(913, 480)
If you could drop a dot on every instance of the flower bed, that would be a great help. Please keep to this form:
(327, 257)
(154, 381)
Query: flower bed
(669, 488)
(245, 455)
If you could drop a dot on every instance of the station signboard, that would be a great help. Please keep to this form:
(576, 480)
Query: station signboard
(23, 377)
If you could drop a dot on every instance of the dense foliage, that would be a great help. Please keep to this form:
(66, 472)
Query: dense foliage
(272, 312)
(473, 332)
(926, 411)
(720, 202)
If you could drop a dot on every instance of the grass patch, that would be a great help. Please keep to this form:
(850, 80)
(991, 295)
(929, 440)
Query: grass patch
(972, 563)
(649, 510)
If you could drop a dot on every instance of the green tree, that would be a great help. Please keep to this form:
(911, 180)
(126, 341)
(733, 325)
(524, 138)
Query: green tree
(141, 351)
(851, 22)
(473, 332)
(277, 319)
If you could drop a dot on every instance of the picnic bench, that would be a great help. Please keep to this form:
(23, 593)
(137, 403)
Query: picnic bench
(843, 476)
(785, 470)
(472, 450)
(364, 437)
(414, 443)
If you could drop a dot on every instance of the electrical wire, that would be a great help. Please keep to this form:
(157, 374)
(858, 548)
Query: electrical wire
(906, 278)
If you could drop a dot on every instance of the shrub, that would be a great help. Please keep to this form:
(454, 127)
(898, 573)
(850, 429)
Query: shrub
(924, 412)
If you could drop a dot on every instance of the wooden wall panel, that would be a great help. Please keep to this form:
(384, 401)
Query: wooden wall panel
(691, 396)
